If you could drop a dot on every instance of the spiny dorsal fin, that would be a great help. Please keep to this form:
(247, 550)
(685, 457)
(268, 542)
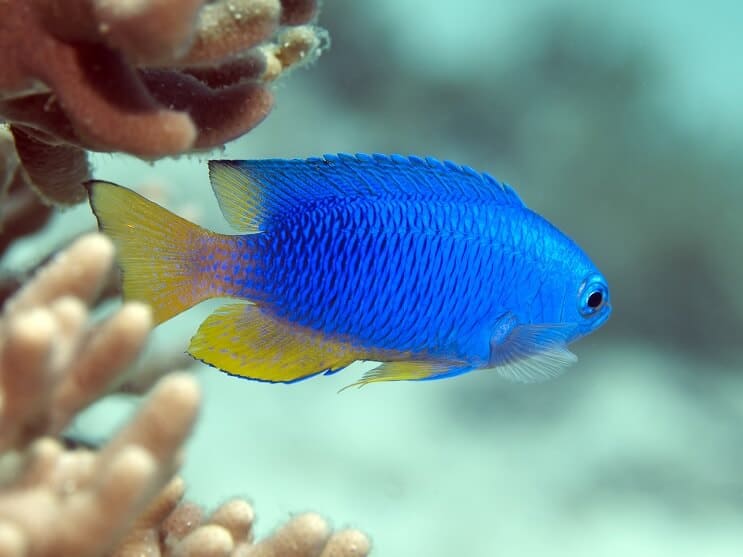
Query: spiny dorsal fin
(239, 200)
(252, 192)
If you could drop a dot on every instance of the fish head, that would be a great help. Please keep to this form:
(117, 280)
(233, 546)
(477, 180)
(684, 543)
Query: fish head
(569, 299)
(565, 289)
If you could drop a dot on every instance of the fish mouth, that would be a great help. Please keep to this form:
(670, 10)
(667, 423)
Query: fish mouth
(598, 320)
(602, 318)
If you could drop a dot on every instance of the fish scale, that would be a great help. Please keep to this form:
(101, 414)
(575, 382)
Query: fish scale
(462, 265)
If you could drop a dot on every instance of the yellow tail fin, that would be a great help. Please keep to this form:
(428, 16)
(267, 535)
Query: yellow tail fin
(156, 250)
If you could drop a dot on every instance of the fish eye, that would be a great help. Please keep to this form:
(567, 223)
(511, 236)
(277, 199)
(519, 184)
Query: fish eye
(593, 297)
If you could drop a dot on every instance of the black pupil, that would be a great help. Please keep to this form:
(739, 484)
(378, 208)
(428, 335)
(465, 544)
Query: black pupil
(595, 299)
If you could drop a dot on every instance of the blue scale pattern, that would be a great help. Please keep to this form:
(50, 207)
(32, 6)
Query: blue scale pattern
(420, 276)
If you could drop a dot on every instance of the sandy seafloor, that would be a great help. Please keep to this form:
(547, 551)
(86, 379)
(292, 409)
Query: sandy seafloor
(637, 450)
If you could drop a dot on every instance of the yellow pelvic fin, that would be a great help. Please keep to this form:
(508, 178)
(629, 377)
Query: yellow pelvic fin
(154, 249)
(409, 370)
(242, 339)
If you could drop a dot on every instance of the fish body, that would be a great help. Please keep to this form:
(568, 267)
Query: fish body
(429, 267)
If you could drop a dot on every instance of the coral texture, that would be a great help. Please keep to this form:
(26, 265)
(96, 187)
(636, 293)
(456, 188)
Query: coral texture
(21, 211)
(122, 499)
(151, 78)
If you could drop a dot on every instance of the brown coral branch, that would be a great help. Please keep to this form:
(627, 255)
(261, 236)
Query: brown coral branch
(149, 77)
(248, 67)
(110, 108)
(55, 169)
(221, 114)
(21, 212)
(145, 32)
(43, 114)
(297, 12)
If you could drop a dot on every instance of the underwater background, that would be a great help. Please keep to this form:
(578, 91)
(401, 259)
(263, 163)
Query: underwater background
(621, 124)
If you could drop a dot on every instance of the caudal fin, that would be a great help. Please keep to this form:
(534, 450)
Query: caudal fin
(156, 250)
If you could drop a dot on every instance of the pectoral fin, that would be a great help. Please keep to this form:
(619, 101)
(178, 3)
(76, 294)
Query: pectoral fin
(243, 340)
(531, 353)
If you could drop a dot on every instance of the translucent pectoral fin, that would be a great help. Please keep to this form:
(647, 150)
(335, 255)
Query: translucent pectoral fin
(241, 339)
(532, 353)
(411, 370)
(536, 368)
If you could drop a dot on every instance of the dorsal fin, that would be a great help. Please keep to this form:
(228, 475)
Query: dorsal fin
(252, 192)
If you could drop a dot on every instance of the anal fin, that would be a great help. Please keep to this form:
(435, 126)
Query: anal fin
(243, 340)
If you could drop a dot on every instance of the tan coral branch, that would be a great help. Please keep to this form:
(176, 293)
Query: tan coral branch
(293, 47)
(101, 495)
(226, 27)
(50, 359)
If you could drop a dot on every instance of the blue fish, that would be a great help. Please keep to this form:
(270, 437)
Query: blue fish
(428, 267)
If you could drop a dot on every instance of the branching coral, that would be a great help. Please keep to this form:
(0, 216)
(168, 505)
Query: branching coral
(49, 361)
(121, 500)
(150, 77)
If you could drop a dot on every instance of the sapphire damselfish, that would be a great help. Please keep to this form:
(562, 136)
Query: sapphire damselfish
(431, 268)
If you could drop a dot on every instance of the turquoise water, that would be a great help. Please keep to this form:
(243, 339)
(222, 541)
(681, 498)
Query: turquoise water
(623, 125)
